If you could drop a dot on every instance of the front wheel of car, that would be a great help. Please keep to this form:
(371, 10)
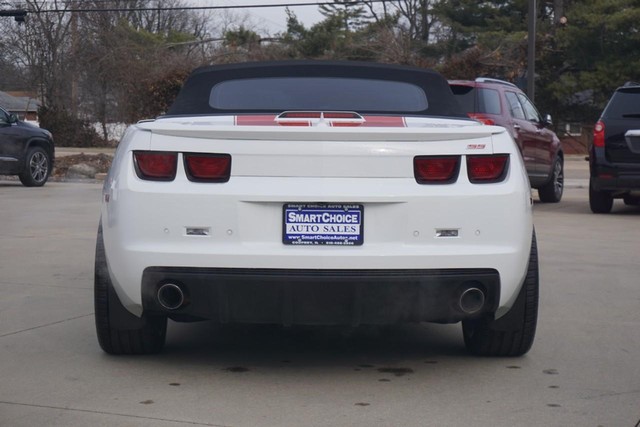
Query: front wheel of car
(512, 334)
(37, 168)
(600, 201)
(552, 191)
(119, 331)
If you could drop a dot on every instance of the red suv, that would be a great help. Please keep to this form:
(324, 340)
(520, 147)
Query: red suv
(500, 103)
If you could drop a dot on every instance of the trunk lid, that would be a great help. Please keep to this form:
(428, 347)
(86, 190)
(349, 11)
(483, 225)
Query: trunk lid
(321, 150)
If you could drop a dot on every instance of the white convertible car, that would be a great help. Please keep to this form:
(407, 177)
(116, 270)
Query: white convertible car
(316, 193)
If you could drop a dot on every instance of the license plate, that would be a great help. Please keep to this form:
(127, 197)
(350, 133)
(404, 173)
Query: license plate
(323, 224)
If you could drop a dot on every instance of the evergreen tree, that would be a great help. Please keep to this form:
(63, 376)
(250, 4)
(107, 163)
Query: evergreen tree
(352, 17)
(586, 59)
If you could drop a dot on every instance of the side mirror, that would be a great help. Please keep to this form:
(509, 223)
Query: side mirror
(13, 118)
(547, 120)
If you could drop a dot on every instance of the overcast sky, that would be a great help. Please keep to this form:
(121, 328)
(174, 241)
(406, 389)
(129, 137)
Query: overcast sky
(271, 19)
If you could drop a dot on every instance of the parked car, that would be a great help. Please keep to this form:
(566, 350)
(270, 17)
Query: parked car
(500, 103)
(614, 156)
(25, 150)
(316, 193)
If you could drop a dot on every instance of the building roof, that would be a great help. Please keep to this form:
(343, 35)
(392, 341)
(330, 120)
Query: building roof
(18, 103)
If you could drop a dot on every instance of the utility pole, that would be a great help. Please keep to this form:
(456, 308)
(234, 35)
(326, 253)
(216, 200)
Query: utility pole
(74, 54)
(531, 51)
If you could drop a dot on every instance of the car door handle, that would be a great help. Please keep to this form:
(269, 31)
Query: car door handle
(517, 127)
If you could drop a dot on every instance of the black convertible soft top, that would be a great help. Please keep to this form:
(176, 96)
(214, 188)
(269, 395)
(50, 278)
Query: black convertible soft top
(273, 87)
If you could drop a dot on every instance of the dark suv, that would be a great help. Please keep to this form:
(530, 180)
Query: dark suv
(614, 156)
(500, 103)
(25, 150)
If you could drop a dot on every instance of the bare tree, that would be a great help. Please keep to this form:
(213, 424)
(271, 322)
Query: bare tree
(40, 49)
(97, 63)
(415, 17)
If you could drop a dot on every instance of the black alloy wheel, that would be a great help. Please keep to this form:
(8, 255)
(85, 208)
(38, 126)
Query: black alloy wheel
(37, 168)
(552, 191)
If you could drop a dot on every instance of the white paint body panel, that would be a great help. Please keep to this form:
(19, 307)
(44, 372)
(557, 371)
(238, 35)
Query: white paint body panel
(145, 222)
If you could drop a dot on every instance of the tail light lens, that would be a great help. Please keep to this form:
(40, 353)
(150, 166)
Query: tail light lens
(482, 118)
(155, 165)
(487, 169)
(207, 167)
(436, 170)
(598, 134)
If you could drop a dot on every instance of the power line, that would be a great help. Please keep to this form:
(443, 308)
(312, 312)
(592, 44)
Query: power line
(18, 15)
(196, 8)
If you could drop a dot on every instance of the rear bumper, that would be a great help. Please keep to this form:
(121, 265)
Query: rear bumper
(321, 297)
(624, 183)
(614, 177)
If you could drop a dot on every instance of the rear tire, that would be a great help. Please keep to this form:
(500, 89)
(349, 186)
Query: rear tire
(119, 331)
(600, 201)
(552, 191)
(37, 168)
(512, 334)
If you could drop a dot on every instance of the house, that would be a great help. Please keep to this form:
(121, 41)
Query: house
(21, 104)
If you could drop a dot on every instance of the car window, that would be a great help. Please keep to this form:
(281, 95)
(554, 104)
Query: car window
(4, 117)
(489, 101)
(466, 97)
(624, 104)
(477, 100)
(529, 110)
(515, 109)
(317, 93)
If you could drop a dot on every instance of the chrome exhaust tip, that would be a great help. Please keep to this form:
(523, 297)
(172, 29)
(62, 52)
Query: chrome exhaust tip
(471, 300)
(170, 296)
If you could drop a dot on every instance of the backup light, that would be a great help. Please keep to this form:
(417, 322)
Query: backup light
(436, 169)
(155, 165)
(487, 168)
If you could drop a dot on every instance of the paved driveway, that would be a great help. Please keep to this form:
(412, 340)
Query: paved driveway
(584, 368)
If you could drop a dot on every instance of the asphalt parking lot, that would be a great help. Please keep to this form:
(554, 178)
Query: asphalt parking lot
(583, 370)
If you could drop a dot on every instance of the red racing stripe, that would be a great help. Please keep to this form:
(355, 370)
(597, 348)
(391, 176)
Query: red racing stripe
(256, 120)
(384, 121)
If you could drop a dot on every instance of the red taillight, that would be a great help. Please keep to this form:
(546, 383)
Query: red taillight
(156, 165)
(482, 118)
(598, 134)
(436, 170)
(485, 169)
(207, 167)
